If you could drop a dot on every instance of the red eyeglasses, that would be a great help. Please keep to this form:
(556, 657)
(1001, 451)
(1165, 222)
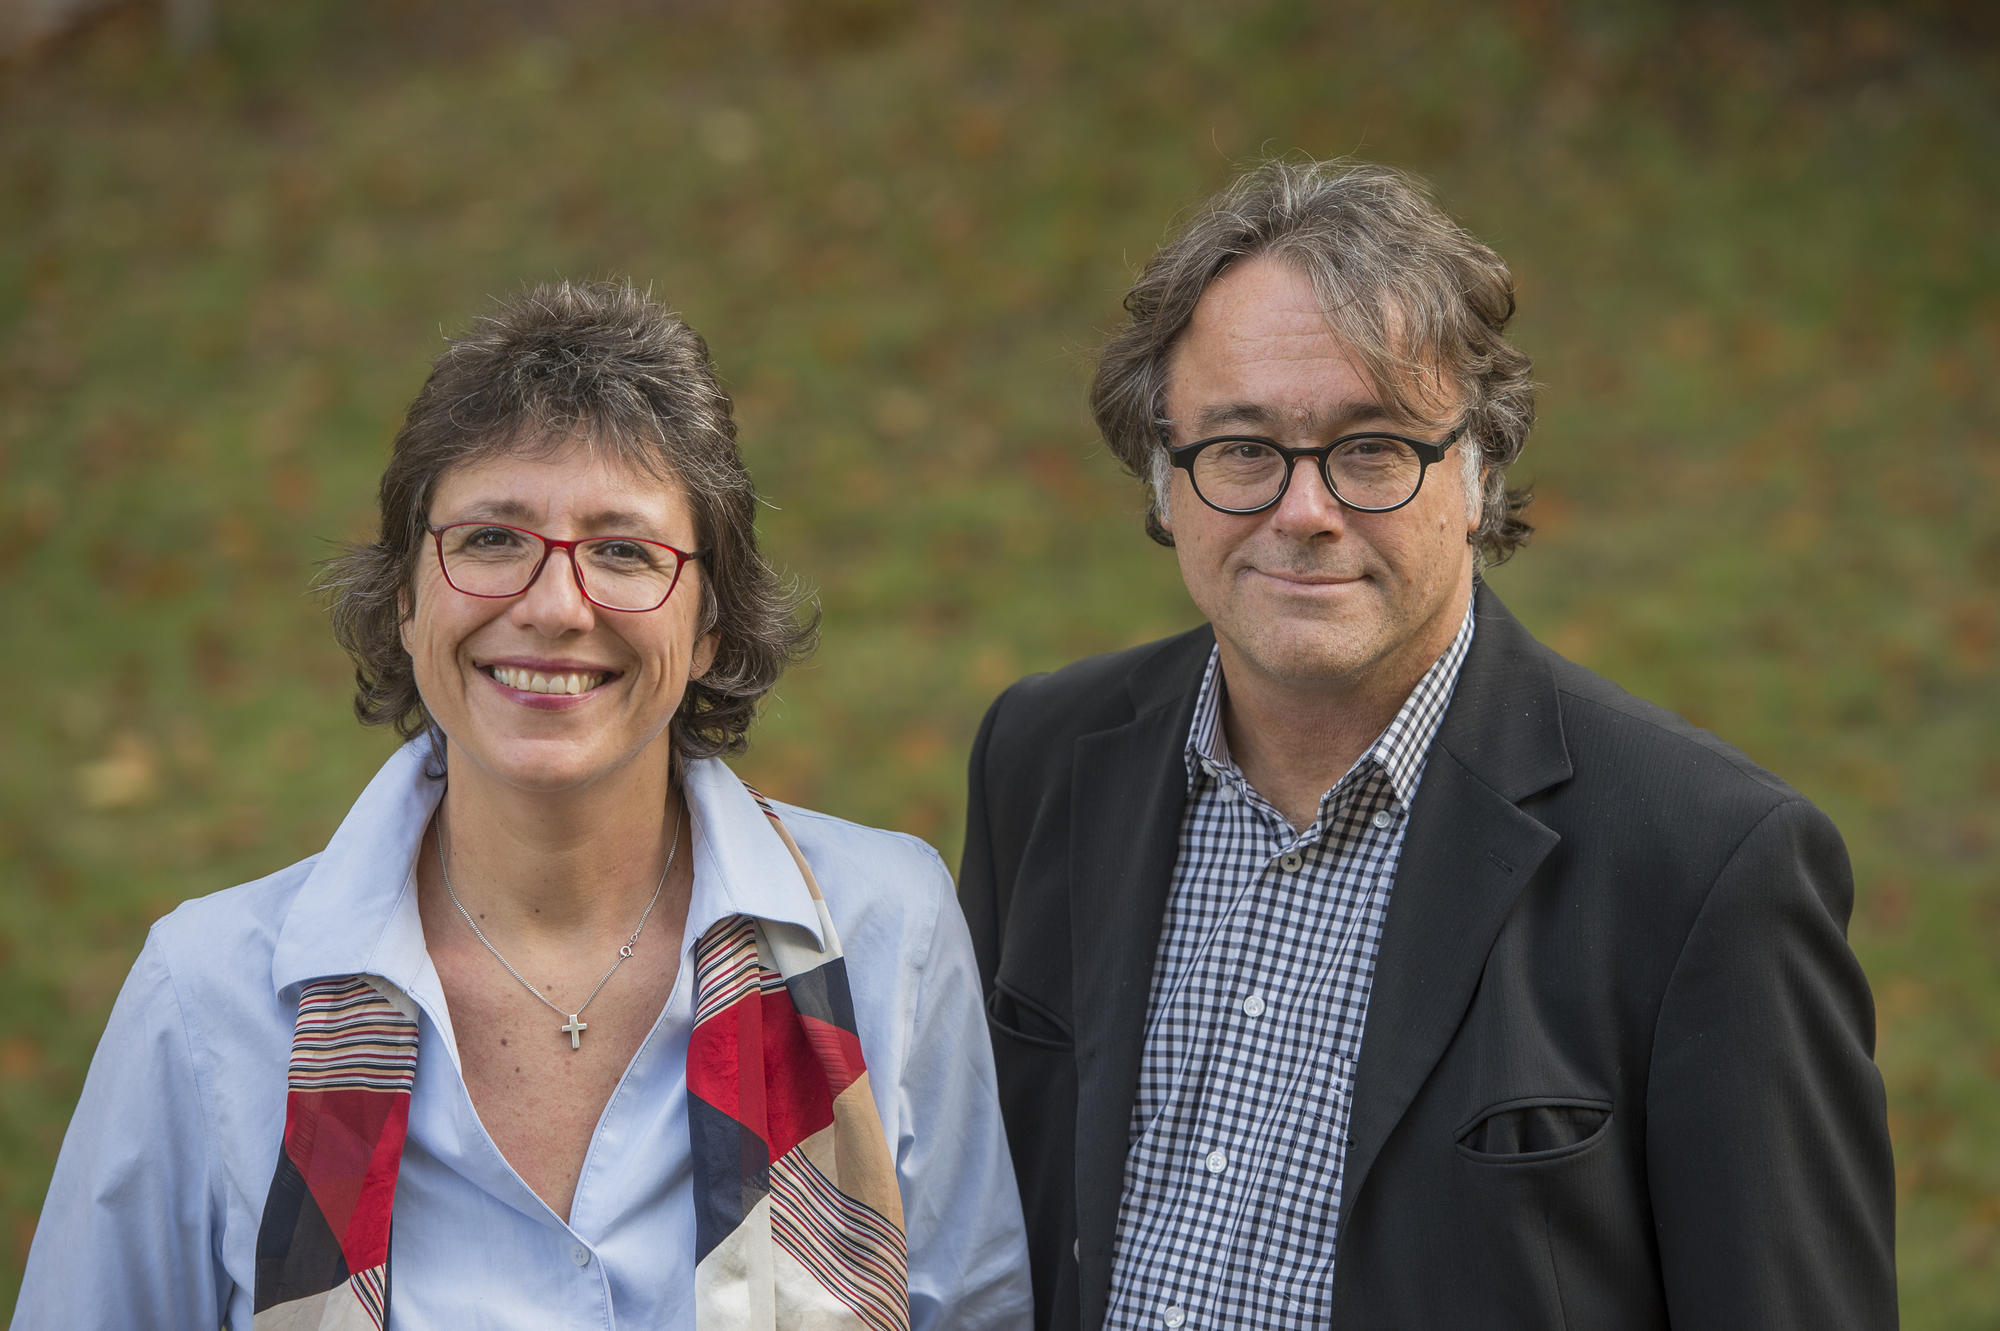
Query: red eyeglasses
(624, 573)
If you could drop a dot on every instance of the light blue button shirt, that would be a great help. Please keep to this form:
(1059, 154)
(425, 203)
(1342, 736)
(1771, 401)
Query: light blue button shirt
(152, 1217)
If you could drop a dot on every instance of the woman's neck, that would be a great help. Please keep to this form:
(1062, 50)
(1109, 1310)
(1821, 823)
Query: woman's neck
(556, 863)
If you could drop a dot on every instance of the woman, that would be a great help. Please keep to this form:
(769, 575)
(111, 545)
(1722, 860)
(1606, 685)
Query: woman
(564, 1004)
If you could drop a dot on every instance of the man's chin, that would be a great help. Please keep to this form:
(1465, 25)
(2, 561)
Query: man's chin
(1326, 656)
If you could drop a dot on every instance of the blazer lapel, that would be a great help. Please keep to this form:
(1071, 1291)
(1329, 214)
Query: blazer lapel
(1467, 854)
(1125, 815)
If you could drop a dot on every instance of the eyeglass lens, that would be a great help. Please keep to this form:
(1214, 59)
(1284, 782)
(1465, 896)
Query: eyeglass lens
(618, 572)
(1367, 471)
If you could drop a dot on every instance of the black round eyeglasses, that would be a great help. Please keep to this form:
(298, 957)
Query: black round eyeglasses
(1372, 472)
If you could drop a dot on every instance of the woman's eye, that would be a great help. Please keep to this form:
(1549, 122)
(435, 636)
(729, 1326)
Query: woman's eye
(491, 538)
(623, 552)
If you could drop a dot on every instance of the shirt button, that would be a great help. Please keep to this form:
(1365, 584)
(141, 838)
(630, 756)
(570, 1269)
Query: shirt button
(1253, 1006)
(1216, 1162)
(1291, 862)
(1383, 818)
(580, 1255)
(1173, 1315)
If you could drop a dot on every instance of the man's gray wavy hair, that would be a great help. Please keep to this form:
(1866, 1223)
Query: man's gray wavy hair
(599, 365)
(1421, 303)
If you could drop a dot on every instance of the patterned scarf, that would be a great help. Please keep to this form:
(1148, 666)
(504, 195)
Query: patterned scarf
(798, 1221)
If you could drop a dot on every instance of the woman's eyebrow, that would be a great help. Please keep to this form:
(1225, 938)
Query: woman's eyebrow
(498, 510)
(604, 521)
(619, 519)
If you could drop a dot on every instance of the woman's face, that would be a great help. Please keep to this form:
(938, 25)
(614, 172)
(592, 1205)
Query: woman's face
(495, 673)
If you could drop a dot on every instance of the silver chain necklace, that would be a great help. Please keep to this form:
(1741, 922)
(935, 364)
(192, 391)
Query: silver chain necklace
(575, 1026)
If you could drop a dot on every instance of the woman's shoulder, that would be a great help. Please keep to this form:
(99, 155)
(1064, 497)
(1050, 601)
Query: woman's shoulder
(227, 935)
(880, 885)
(882, 850)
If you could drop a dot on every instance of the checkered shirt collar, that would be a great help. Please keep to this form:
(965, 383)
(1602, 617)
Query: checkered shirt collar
(1400, 750)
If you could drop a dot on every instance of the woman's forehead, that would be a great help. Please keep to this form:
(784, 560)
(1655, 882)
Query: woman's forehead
(578, 481)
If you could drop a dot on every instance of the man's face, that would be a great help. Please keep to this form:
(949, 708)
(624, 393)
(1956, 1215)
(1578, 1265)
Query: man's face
(1308, 597)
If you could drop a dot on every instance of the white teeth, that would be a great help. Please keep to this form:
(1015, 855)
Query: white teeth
(533, 681)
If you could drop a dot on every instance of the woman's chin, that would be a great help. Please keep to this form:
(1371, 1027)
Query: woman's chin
(548, 767)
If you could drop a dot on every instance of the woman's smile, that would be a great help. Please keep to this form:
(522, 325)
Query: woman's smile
(546, 689)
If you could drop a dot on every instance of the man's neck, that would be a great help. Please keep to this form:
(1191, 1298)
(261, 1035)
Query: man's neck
(1293, 753)
(1294, 740)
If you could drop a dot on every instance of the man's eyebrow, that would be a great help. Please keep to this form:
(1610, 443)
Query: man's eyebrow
(1220, 416)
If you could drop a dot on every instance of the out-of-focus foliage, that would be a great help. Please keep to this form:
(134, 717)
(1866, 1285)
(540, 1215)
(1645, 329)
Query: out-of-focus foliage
(1758, 272)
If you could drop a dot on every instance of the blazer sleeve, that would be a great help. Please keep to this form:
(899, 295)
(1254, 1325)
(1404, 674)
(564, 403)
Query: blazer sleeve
(979, 887)
(1767, 1132)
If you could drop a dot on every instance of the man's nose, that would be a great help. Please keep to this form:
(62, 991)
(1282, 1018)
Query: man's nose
(1308, 504)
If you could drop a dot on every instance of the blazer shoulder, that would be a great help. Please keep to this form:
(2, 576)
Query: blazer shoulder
(1603, 722)
(1044, 710)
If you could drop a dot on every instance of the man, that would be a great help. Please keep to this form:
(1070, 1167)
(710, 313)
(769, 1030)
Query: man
(1354, 960)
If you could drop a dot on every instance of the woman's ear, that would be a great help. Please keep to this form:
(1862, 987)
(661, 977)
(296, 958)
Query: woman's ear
(705, 648)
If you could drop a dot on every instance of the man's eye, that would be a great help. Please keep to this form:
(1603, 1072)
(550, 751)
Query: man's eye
(1247, 450)
(1374, 450)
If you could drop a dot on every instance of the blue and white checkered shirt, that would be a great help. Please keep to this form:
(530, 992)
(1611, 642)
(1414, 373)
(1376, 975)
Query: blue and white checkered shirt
(1267, 955)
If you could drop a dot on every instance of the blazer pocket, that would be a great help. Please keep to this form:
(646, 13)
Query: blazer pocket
(1018, 1017)
(1534, 1128)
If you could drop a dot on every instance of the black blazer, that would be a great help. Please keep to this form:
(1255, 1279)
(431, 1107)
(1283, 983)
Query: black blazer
(1617, 1067)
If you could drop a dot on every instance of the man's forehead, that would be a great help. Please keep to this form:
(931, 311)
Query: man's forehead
(1356, 345)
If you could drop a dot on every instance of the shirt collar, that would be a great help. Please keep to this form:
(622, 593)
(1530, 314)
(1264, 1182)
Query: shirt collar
(741, 864)
(1405, 744)
(356, 912)
(1400, 750)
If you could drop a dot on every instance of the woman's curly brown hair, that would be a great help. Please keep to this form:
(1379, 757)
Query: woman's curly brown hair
(596, 364)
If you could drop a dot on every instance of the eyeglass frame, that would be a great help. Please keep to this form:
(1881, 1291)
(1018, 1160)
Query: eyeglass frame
(1428, 455)
(549, 546)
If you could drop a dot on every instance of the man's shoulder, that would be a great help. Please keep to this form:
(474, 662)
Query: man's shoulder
(1099, 692)
(1666, 783)
(1606, 724)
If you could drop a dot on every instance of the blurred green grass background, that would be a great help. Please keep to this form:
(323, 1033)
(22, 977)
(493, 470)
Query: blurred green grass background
(1758, 272)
